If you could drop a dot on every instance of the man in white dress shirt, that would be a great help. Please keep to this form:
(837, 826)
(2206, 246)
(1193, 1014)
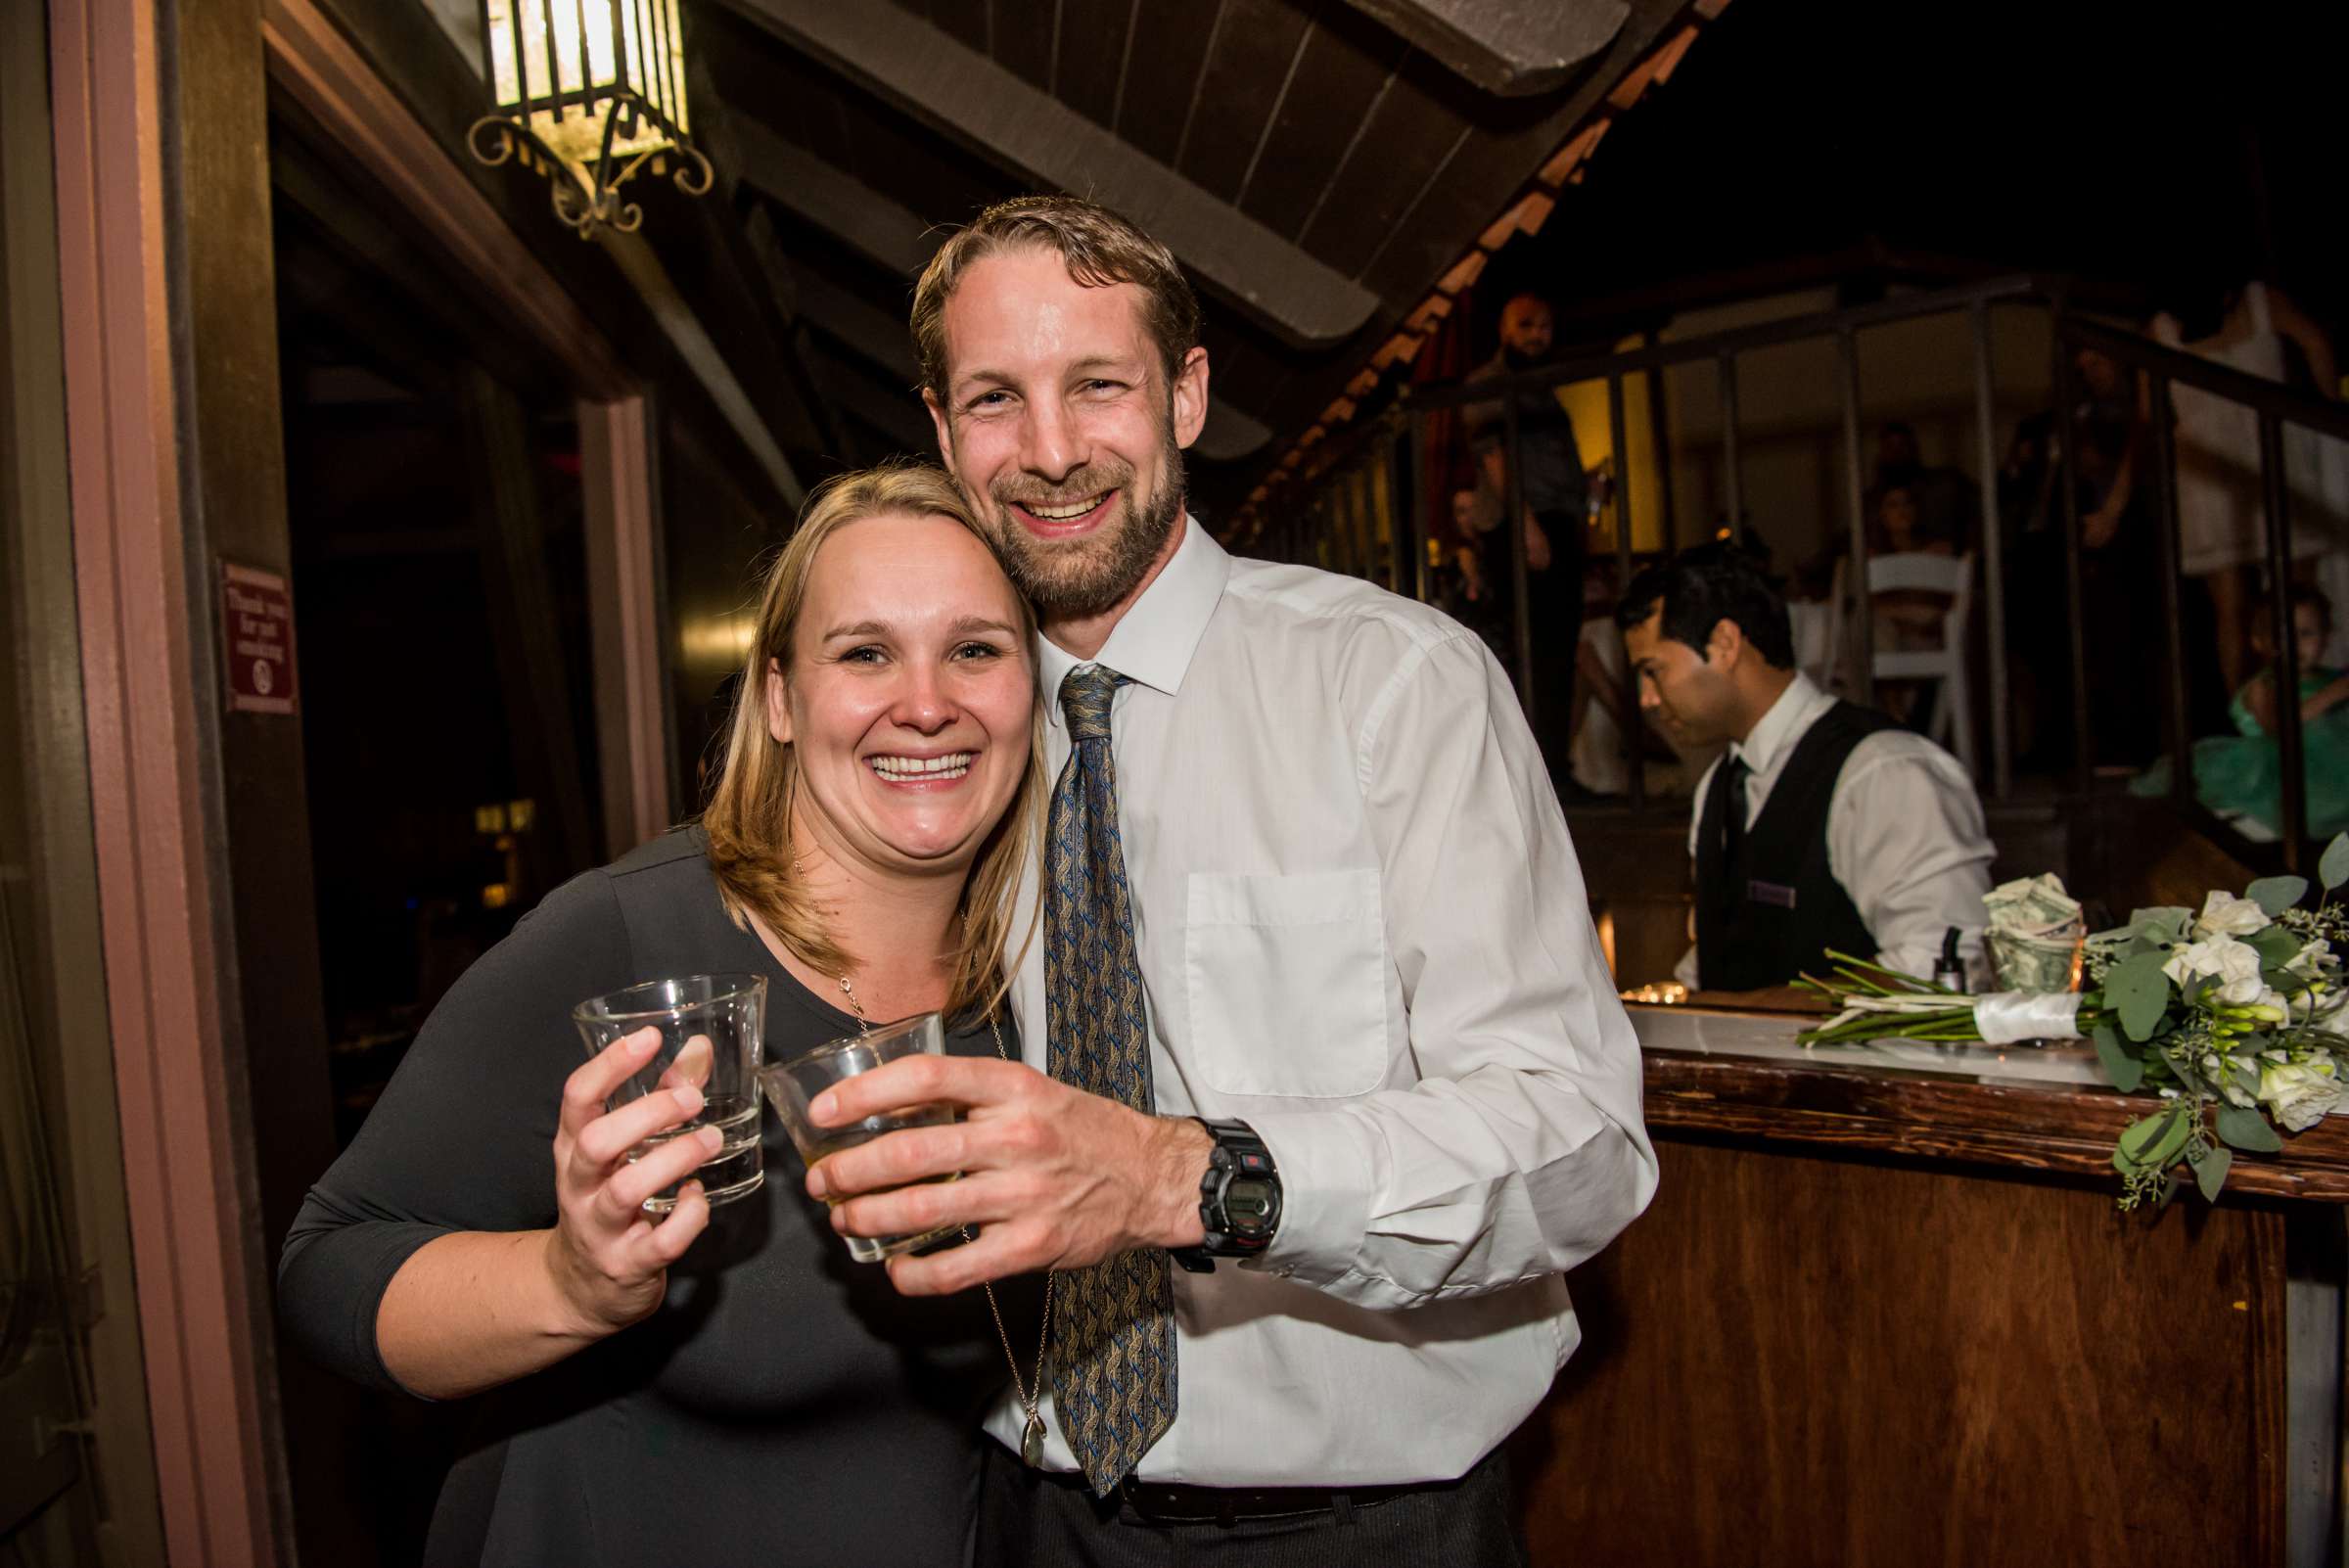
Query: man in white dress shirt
(1390, 1096)
(1823, 827)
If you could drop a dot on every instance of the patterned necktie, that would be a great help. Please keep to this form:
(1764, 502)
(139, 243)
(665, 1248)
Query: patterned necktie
(1113, 1362)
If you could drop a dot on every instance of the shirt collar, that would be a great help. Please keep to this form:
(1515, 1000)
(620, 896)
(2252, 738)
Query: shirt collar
(1153, 641)
(1788, 717)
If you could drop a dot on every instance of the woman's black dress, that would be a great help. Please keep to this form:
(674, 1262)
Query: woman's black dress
(783, 1406)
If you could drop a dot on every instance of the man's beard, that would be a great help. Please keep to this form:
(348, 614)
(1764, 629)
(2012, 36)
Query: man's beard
(1069, 578)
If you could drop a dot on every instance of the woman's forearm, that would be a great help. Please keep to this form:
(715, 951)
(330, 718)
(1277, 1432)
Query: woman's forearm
(469, 1310)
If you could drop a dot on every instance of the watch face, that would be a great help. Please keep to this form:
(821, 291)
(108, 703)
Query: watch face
(1251, 1205)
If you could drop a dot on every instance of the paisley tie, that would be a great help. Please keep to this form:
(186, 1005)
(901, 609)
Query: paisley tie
(1113, 1361)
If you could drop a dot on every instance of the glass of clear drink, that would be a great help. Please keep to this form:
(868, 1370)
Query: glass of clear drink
(791, 1085)
(712, 1034)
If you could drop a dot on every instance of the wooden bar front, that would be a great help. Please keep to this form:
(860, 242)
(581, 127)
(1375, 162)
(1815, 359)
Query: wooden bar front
(1891, 1317)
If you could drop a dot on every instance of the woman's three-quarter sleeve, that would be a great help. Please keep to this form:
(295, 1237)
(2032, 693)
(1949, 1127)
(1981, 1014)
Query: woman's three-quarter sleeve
(462, 1139)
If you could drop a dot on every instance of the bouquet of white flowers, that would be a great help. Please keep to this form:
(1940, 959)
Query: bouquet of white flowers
(2233, 1015)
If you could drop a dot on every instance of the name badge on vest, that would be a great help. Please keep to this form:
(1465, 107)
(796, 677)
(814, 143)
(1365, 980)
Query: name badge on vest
(1770, 892)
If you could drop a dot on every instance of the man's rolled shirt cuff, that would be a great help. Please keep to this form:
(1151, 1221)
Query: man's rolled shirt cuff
(1328, 1171)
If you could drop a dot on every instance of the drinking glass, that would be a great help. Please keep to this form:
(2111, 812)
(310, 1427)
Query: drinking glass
(791, 1085)
(713, 1033)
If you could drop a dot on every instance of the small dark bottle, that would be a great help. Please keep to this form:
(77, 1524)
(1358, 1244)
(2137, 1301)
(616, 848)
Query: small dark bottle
(1950, 969)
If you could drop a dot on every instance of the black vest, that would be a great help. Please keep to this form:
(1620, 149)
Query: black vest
(1773, 913)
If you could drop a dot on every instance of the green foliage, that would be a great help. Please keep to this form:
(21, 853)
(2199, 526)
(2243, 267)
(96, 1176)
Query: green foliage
(2277, 944)
(2333, 869)
(2140, 991)
(2153, 1143)
(2210, 1171)
(2247, 1130)
(2276, 894)
(2123, 1070)
(2163, 924)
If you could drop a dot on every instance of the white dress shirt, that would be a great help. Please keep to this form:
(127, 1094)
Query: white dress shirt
(1363, 930)
(1905, 833)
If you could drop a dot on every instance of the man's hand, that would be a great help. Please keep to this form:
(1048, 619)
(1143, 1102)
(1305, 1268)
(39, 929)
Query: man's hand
(1050, 1177)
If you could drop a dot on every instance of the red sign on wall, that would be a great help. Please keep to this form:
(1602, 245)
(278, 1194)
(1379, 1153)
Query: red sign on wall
(257, 633)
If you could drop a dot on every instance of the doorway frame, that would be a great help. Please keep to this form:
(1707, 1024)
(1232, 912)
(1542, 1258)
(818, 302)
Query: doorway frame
(309, 56)
(143, 604)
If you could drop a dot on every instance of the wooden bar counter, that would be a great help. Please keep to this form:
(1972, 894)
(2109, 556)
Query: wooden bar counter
(1884, 1310)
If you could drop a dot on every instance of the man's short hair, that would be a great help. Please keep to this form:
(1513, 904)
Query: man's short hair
(1099, 247)
(1705, 585)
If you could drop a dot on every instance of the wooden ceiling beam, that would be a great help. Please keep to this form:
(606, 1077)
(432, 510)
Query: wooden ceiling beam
(885, 409)
(835, 201)
(1511, 48)
(966, 97)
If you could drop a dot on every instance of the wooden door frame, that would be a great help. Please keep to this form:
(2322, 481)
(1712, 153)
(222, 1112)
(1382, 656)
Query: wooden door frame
(309, 56)
(145, 615)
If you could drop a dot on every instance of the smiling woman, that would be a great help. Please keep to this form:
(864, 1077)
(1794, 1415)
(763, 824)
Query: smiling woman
(485, 1233)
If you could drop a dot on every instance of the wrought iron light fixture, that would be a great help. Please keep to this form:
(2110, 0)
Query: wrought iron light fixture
(589, 93)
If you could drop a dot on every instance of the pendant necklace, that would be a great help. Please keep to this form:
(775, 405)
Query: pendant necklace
(1031, 1435)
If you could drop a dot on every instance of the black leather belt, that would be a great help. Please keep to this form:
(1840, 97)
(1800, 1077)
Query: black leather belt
(1175, 1502)
(1172, 1502)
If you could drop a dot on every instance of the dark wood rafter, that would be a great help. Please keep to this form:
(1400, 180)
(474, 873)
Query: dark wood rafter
(1649, 65)
(876, 228)
(1513, 48)
(883, 409)
(872, 334)
(979, 103)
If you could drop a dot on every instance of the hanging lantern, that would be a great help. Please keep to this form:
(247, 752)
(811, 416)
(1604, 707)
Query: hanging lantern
(589, 93)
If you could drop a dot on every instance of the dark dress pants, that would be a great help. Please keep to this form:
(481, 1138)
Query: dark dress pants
(1553, 610)
(1032, 1520)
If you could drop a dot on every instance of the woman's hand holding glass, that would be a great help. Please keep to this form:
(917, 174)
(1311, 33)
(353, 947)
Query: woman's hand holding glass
(608, 1259)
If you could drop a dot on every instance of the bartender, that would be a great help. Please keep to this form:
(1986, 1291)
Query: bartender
(1824, 826)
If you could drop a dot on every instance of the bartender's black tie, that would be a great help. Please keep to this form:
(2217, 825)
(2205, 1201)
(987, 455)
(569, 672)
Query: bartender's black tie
(1731, 785)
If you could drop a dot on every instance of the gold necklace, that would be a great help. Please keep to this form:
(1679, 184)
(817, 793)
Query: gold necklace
(1032, 1434)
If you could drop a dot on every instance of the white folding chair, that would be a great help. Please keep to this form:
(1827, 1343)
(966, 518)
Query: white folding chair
(1953, 713)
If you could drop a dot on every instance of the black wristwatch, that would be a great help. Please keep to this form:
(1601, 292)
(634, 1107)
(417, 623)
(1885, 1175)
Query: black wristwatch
(1239, 1198)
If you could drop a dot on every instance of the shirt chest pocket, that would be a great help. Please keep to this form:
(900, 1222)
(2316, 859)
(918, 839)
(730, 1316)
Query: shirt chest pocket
(1287, 983)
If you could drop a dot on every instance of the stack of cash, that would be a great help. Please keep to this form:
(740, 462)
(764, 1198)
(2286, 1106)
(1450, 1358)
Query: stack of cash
(2035, 934)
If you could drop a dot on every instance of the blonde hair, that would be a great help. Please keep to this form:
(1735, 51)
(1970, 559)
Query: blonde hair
(1100, 248)
(748, 817)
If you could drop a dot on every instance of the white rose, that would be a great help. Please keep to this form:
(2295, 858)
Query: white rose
(2299, 1094)
(2222, 958)
(2226, 915)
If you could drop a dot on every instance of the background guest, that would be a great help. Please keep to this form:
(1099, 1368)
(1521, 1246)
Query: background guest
(1556, 496)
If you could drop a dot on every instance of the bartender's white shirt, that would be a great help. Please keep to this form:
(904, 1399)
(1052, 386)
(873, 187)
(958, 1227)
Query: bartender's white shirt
(1905, 833)
(1363, 930)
